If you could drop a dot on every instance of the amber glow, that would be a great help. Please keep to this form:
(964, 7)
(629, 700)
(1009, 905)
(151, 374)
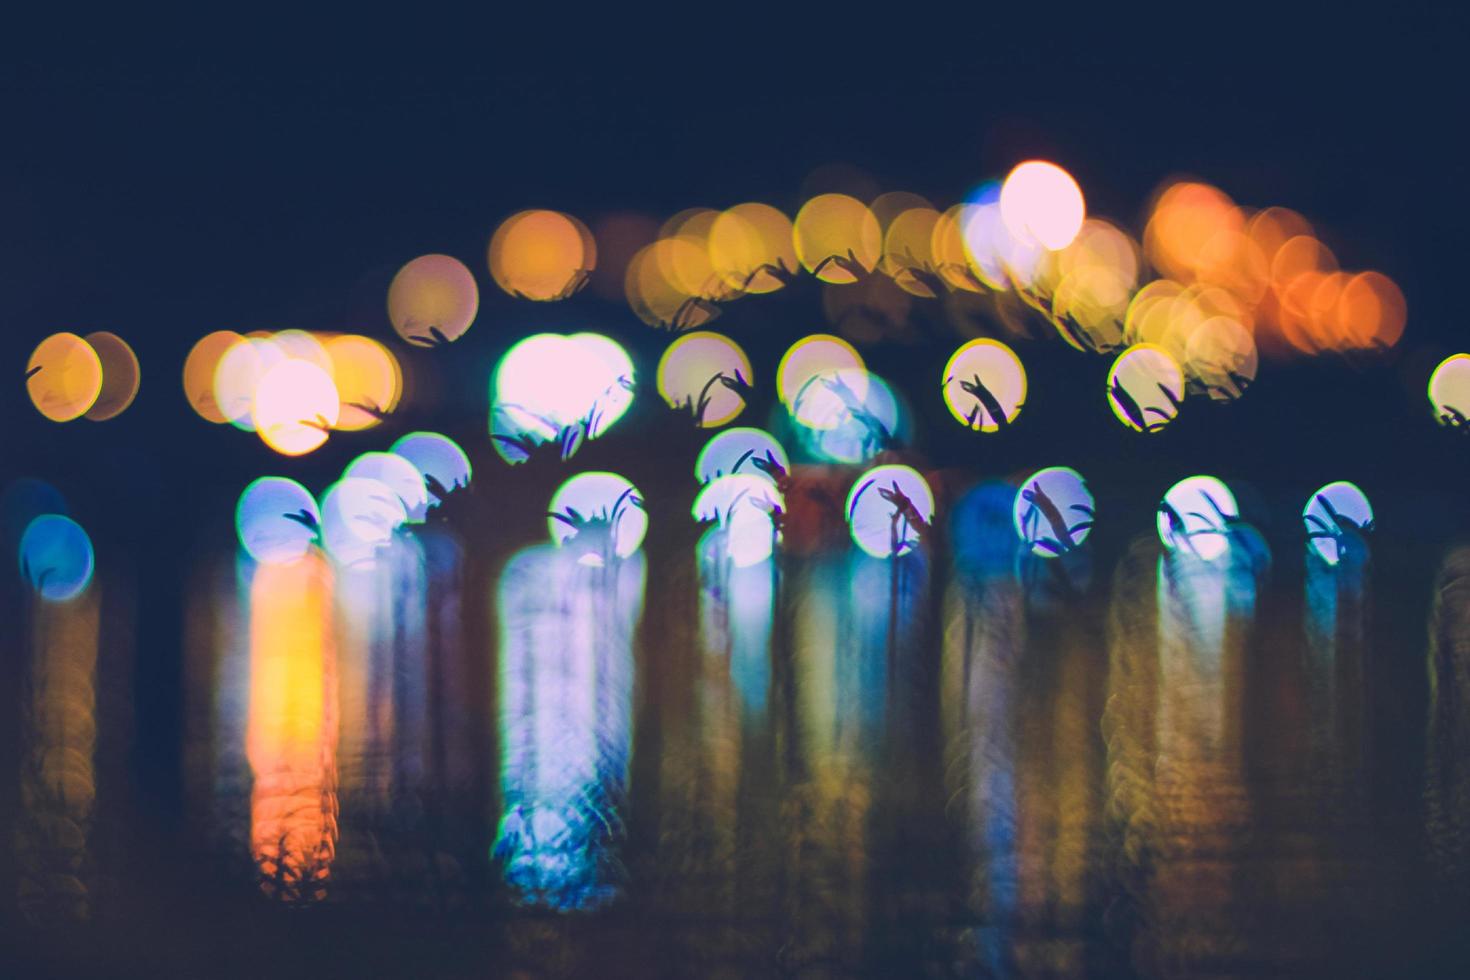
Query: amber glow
(204, 358)
(291, 731)
(837, 238)
(368, 379)
(433, 300)
(121, 375)
(750, 248)
(63, 377)
(542, 255)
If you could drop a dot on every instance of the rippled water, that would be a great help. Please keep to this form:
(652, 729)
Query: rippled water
(468, 762)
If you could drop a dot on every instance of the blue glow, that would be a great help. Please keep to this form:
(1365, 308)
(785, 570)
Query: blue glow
(1196, 516)
(444, 465)
(359, 517)
(1336, 517)
(399, 475)
(276, 520)
(888, 509)
(740, 451)
(1053, 511)
(56, 557)
(865, 427)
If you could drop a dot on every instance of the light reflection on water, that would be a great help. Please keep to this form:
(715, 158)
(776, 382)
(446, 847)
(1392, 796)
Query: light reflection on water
(953, 763)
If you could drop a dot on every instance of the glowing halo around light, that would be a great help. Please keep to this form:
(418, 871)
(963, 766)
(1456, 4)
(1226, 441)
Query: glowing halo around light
(704, 373)
(294, 407)
(1145, 387)
(276, 520)
(867, 424)
(1041, 201)
(1449, 391)
(1337, 510)
(541, 255)
(121, 376)
(551, 386)
(63, 377)
(1054, 511)
(985, 385)
(368, 379)
(56, 557)
(741, 451)
(397, 474)
(744, 505)
(237, 377)
(433, 300)
(441, 462)
(359, 516)
(837, 238)
(1195, 517)
(819, 379)
(596, 516)
(882, 525)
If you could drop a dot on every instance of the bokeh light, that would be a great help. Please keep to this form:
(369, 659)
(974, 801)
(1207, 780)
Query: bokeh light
(444, 466)
(238, 376)
(705, 374)
(837, 238)
(1195, 517)
(359, 517)
(368, 379)
(121, 376)
(1333, 516)
(56, 557)
(746, 508)
(63, 377)
(889, 510)
(597, 516)
(276, 520)
(199, 373)
(819, 379)
(397, 474)
(433, 300)
(1145, 387)
(985, 385)
(742, 451)
(542, 255)
(1041, 201)
(294, 407)
(751, 248)
(866, 426)
(1054, 511)
(1449, 391)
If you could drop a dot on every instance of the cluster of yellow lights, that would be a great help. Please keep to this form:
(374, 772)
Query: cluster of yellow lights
(292, 388)
(95, 377)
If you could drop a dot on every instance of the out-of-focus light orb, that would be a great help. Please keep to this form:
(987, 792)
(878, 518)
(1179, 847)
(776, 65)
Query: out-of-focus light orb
(359, 517)
(56, 557)
(657, 297)
(1336, 510)
(542, 255)
(238, 374)
(63, 377)
(985, 385)
(121, 376)
(1195, 517)
(751, 248)
(1054, 511)
(819, 380)
(1041, 201)
(881, 510)
(444, 466)
(869, 424)
(745, 506)
(837, 238)
(990, 251)
(1449, 391)
(1221, 354)
(705, 374)
(295, 406)
(397, 474)
(276, 520)
(742, 451)
(551, 376)
(433, 300)
(199, 369)
(616, 385)
(301, 346)
(1145, 387)
(368, 378)
(597, 515)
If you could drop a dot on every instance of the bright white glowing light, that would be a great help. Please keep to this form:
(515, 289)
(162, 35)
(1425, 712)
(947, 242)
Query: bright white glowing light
(295, 406)
(744, 505)
(1040, 200)
(1449, 391)
(1332, 513)
(597, 515)
(441, 462)
(1195, 517)
(1053, 511)
(888, 510)
(359, 517)
(1145, 387)
(820, 379)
